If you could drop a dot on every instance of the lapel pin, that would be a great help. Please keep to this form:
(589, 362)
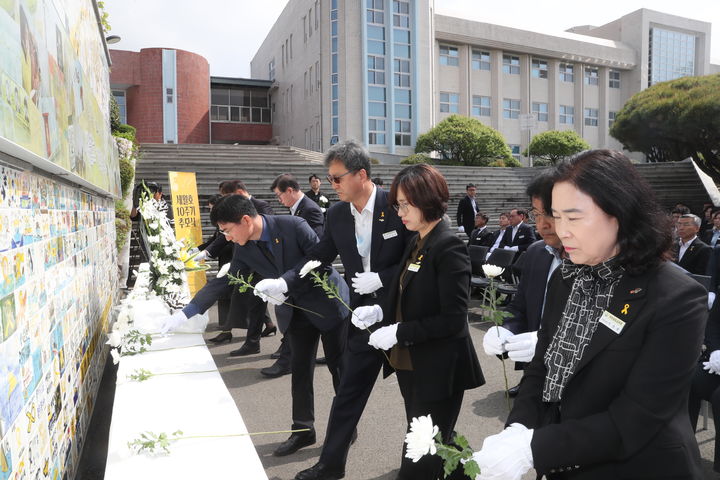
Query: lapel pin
(624, 311)
(277, 240)
(637, 290)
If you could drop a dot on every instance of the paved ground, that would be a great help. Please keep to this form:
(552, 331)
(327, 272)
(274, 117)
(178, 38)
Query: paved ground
(265, 405)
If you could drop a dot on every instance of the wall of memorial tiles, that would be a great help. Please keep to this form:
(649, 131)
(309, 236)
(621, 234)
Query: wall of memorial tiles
(59, 278)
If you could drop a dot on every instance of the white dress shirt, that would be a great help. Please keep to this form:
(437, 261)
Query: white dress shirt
(684, 246)
(363, 228)
(293, 209)
(496, 244)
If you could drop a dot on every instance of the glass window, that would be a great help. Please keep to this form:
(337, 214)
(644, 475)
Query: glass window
(511, 108)
(591, 117)
(567, 114)
(481, 106)
(376, 109)
(614, 81)
(591, 76)
(511, 64)
(515, 150)
(611, 118)
(449, 102)
(376, 129)
(539, 68)
(480, 60)
(449, 56)
(567, 72)
(541, 111)
(122, 104)
(671, 55)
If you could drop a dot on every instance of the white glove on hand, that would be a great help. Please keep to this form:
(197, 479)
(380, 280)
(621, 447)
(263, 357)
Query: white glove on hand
(507, 455)
(365, 316)
(514, 249)
(204, 255)
(711, 300)
(461, 229)
(271, 287)
(521, 347)
(173, 321)
(494, 340)
(713, 365)
(366, 282)
(384, 338)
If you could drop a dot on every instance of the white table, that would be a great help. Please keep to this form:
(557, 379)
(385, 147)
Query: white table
(197, 404)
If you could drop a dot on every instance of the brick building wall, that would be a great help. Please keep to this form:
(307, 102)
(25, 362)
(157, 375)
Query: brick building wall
(251, 133)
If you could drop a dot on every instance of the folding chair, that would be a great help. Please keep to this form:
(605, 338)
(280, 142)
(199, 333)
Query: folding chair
(477, 258)
(499, 257)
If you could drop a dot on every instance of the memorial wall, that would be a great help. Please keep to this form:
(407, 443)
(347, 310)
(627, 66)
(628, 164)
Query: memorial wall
(58, 174)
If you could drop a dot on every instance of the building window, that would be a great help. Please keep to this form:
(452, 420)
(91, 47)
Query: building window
(481, 106)
(376, 70)
(614, 79)
(271, 70)
(309, 18)
(403, 103)
(591, 76)
(539, 68)
(242, 105)
(480, 60)
(376, 128)
(567, 72)
(611, 118)
(515, 151)
(541, 111)
(402, 133)
(511, 108)
(401, 14)
(671, 55)
(291, 50)
(511, 64)
(169, 95)
(334, 76)
(591, 117)
(449, 56)
(449, 102)
(402, 73)
(122, 104)
(376, 12)
(567, 114)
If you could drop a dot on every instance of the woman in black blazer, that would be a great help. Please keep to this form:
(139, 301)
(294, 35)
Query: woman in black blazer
(606, 394)
(425, 316)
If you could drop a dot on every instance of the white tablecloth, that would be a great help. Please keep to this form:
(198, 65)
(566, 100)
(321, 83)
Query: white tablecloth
(197, 404)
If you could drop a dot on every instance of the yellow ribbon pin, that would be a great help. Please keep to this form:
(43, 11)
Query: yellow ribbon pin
(624, 311)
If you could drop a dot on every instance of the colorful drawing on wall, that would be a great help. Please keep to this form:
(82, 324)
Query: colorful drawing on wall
(54, 87)
(9, 321)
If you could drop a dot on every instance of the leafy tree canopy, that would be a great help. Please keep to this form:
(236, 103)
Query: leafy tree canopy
(554, 145)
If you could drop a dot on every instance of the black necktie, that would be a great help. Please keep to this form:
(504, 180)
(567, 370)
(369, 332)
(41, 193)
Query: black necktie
(263, 246)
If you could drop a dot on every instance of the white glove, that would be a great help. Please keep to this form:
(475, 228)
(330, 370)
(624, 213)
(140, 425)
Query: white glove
(521, 347)
(366, 282)
(711, 300)
(365, 316)
(514, 249)
(713, 365)
(271, 287)
(204, 255)
(171, 322)
(193, 251)
(384, 338)
(461, 229)
(494, 340)
(507, 455)
(275, 299)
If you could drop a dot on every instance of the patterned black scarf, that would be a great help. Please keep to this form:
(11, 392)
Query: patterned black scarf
(591, 292)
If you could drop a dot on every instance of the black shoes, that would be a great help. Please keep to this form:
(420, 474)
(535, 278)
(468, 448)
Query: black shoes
(275, 370)
(269, 330)
(512, 392)
(246, 349)
(295, 443)
(321, 361)
(320, 471)
(222, 337)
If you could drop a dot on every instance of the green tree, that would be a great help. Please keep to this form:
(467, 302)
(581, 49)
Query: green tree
(673, 120)
(554, 145)
(417, 158)
(465, 140)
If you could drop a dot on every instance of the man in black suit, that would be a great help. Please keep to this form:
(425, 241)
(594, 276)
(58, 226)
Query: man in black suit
(271, 246)
(287, 190)
(497, 235)
(518, 335)
(316, 195)
(520, 236)
(370, 239)
(467, 208)
(693, 254)
(481, 236)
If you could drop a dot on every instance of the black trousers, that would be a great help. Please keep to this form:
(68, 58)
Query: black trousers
(706, 386)
(444, 414)
(304, 338)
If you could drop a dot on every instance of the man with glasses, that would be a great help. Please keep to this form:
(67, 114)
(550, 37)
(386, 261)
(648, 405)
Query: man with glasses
(520, 235)
(518, 335)
(287, 191)
(370, 238)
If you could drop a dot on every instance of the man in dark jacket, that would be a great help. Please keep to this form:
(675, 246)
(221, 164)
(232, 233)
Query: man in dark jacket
(693, 254)
(467, 208)
(287, 190)
(481, 235)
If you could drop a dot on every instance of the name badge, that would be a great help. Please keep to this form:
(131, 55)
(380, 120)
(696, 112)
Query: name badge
(612, 322)
(414, 267)
(389, 235)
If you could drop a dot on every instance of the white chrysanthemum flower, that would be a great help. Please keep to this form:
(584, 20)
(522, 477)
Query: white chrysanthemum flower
(114, 338)
(153, 238)
(421, 438)
(309, 267)
(223, 271)
(323, 198)
(492, 271)
(115, 356)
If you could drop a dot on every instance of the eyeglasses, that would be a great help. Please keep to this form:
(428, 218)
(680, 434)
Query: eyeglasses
(401, 207)
(229, 229)
(534, 215)
(336, 178)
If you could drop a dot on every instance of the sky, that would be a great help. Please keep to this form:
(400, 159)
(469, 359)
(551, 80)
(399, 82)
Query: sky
(228, 32)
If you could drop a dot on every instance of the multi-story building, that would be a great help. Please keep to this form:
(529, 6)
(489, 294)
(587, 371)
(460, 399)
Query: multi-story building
(385, 71)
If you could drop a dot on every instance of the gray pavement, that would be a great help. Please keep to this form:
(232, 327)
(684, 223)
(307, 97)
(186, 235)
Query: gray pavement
(265, 406)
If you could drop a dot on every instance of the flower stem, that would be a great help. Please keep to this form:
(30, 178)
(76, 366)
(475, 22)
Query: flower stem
(241, 280)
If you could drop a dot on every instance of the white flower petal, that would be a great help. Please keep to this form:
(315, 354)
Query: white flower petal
(223, 271)
(492, 271)
(115, 356)
(309, 267)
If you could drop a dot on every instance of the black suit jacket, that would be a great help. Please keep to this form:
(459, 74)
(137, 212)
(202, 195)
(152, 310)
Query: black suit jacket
(389, 237)
(481, 238)
(526, 305)
(221, 242)
(523, 238)
(466, 214)
(291, 239)
(434, 324)
(696, 257)
(310, 211)
(624, 412)
(315, 197)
